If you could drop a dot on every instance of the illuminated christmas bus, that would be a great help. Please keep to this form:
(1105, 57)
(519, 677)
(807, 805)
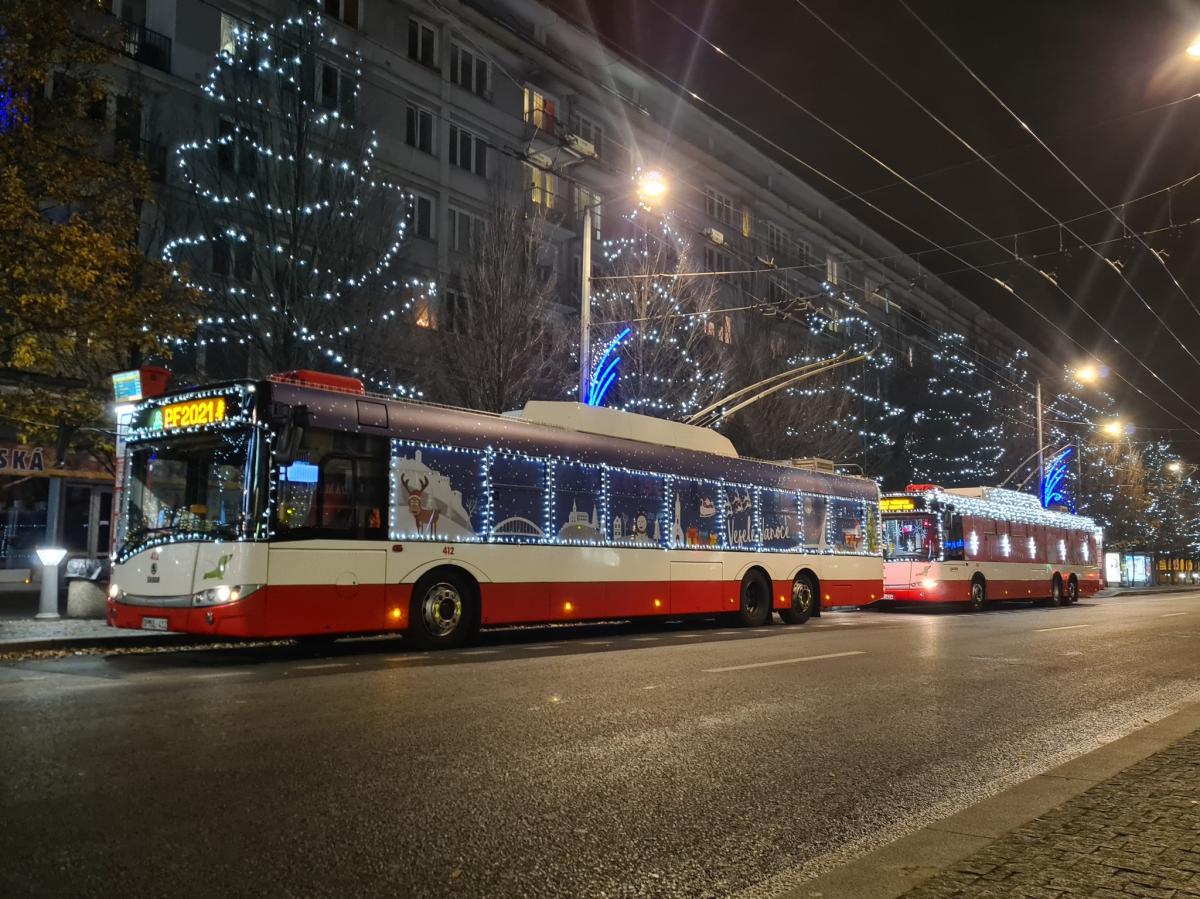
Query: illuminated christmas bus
(982, 544)
(300, 506)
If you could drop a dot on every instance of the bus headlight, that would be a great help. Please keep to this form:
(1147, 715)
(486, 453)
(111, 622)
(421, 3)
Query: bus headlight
(217, 596)
(114, 592)
(929, 583)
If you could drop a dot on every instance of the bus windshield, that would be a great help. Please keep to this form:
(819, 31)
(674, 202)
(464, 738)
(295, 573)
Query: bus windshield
(188, 486)
(909, 538)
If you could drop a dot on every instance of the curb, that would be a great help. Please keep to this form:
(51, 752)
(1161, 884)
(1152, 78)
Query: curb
(68, 644)
(899, 866)
(1158, 592)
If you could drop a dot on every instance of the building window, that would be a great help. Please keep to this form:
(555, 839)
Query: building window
(718, 206)
(585, 198)
(720, 326)
(716, 261)
(777, 346)
(419, 128)
(424, 315)
(232, 257)
(420, 217)
(543, 185)
(589, 131)
(236, 152)
(229, 33)
(747, 226)
(539, 110)
(422, 43)
(777, 238)
(337, 90)
(468, 151)
(833, 269)
(803, 250)
(345, 11)
(468, 70)
(454, 312)
(466, 230)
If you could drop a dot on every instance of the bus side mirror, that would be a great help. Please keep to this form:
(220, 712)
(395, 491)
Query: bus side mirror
(289, 433)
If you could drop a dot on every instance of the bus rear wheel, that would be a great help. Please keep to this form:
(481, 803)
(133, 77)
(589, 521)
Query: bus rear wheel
(444, 610)
(804, 598)
(1056, 592)
(1072, 596)
(754, 601)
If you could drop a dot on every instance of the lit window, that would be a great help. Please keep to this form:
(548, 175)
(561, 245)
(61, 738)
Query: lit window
(229, 31)
(423, 314)
(720, 327)
(540, 110)
(543, 184)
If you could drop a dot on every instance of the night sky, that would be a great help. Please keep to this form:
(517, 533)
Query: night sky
(1084, 74)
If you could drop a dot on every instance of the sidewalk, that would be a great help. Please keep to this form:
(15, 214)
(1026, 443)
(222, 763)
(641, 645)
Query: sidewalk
(27, 635)
(1147, 591)
(1134, 835)
(1119, 822)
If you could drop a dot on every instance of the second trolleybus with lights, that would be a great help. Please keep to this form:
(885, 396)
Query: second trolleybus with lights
(982, 544)
(300, 506)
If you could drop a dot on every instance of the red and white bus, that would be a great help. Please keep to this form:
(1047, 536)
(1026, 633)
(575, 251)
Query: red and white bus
(300, 506)
(983, 544)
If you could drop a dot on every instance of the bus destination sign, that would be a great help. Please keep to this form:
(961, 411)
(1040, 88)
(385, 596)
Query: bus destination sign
(193, 413)
(897, 504)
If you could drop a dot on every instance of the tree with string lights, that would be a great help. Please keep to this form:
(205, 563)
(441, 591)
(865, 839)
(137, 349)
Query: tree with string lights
(956, 439)
(295, 234)
(658, 311)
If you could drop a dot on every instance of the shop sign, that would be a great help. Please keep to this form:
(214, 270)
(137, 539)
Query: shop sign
(38, 462)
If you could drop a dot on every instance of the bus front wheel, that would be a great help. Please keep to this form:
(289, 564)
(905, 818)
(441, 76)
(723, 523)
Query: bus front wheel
(444, 610)
(978, 601)
(804, 598)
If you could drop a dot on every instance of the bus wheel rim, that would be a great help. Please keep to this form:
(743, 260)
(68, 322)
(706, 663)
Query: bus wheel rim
(976, 593)
(442, 609)
(801, 596)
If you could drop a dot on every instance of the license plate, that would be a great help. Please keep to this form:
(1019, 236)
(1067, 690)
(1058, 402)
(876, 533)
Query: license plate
(154, 624)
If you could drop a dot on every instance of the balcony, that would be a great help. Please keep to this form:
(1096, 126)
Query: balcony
(148, 47)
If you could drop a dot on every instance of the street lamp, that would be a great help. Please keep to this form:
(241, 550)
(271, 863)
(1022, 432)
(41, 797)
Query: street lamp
(1114, 428)
(1175, 467)
(652, 185)
(1088, 373)
(50, 557)
(1193, 49)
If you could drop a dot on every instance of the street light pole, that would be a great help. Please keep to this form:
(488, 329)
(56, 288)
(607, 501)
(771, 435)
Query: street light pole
(1041, 446)
(585, 307)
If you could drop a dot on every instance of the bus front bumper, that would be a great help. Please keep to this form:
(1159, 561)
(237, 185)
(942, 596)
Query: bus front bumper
(241, 618)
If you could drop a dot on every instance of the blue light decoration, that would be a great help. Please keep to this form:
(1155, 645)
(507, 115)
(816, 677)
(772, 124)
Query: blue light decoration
(1053, 490)
(604, 375)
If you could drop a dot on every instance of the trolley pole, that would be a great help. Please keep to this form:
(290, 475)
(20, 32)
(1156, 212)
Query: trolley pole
(1041, 446)
(585, 306)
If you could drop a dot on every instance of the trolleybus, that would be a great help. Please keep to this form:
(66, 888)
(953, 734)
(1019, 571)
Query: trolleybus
(301, 506)
(981, 544)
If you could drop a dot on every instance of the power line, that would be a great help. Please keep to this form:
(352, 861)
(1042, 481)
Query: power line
(1047, 148)
(758, 134)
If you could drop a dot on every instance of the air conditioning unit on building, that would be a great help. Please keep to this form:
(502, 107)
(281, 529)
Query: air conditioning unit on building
(580, 147)
(715, 236)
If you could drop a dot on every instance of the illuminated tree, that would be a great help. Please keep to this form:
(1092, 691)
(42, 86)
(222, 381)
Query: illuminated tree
(295, 233)
(676, 352)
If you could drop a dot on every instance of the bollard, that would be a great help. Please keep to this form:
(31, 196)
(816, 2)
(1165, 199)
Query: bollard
(50, 557)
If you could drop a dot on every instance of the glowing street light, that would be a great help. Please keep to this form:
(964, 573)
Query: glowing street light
(1175, 467)
(50, 557)
(1114, 428)
(1193, 49)
(652, 185)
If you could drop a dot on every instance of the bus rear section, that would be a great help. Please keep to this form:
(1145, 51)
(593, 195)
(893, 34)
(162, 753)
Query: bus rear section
(983, 544)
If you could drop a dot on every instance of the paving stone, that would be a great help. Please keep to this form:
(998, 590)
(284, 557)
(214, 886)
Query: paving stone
(1134, 836)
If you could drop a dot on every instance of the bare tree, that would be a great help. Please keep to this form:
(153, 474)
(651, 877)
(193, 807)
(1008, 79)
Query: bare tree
(500, 341)
(675, 352)
(295, 233)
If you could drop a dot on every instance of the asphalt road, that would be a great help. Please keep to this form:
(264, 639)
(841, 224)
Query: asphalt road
(679, 760)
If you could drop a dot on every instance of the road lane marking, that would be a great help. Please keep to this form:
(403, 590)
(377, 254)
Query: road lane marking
(831, 655)
(323, 665)
(645, 639)
(1064, 627)
(595, 642)
(406, 658)
(1172, 614)
(209, 674)
(689, 635)
(480, 652)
